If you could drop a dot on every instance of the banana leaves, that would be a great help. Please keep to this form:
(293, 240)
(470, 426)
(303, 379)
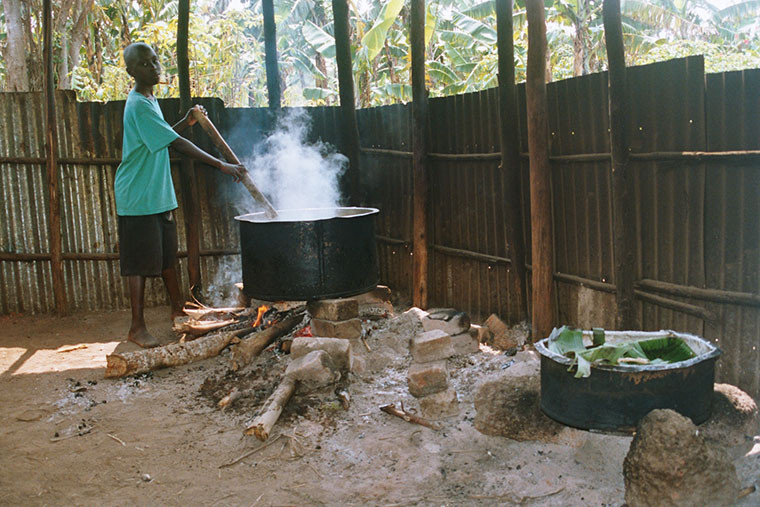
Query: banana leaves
(568, 342)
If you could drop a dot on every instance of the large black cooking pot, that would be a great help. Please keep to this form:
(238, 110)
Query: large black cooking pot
(306, 254)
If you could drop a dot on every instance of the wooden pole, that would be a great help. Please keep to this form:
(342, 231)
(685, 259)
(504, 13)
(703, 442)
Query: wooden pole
(51, 149)
(270, 55)
(540, 174)
(622, 183)
(189, 178)
(347, 100)
(419, 157)
(510, 150)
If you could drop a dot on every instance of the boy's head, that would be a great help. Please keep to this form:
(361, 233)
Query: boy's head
(142, 64)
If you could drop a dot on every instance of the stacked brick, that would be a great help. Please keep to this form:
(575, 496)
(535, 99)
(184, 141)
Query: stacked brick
(445, 333)
(339, 318)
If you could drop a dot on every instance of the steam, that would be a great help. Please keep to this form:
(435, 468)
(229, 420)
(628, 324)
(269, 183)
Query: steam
(292, 172)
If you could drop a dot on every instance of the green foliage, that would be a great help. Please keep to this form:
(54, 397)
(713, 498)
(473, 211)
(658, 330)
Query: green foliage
(227, 50)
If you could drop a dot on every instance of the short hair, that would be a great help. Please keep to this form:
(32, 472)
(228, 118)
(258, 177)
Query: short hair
(132, 51)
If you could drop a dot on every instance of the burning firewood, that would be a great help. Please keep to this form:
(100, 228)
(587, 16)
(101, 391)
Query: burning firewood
(199, 327)
(246, 350)
(270, 413)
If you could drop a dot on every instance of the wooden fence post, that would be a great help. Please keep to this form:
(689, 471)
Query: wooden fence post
(270, 55)
(622, 191)
(347, 100)
(420, 143)
(510, 150)
(51, 149)
(540, 174)
(189, 182)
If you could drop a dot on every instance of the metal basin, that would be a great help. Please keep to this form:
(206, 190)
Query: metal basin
(307, 254)
(618, 397)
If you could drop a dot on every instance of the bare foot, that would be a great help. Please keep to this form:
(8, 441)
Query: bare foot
(142, 338)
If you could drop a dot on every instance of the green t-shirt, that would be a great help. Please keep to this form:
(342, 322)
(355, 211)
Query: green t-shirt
(143, 184)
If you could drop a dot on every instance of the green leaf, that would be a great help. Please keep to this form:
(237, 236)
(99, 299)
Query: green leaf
(322, 41)
(374, 39)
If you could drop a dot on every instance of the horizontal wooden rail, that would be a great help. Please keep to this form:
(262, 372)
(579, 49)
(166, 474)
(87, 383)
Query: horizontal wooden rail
(712, 295)
(469, 254)
(391, 241)
(98, 256)
(693, 156)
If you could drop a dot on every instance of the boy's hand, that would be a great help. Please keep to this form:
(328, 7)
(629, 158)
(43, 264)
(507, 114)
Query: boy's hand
(237, 171)
(190, 119)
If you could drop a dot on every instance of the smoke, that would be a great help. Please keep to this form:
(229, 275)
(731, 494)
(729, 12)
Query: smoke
(221, 291)
(293, 173)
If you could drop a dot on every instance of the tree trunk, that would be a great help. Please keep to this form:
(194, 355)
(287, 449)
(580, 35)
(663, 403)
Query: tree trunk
(420, 140)
(622, 198)
(270, 56)
(15, 51)
(510, 152)
(540, 173)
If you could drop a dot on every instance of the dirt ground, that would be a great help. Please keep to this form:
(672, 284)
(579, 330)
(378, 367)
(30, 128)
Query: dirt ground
(70, 436)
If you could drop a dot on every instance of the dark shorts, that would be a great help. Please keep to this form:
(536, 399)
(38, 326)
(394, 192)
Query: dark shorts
(147, 244)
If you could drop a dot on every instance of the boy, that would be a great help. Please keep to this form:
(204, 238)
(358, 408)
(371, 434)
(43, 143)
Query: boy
(144, 192)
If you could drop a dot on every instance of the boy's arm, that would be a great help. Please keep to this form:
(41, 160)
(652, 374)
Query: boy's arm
(189, 120)
(186, 147)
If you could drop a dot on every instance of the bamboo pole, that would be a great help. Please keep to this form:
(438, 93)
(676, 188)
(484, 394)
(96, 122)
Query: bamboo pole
(347, 100)
(622, 192)
(270, 55)
(510, 150)
(419, 157)
(189, 183)
(540, 174)
(51, 149)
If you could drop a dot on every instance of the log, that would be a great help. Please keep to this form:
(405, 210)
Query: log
(408, 416)
(265, 421)
(175, 354)
(246, 350)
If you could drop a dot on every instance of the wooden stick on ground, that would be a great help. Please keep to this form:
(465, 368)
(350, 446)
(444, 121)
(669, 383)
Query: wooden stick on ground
(247, 349)
(175, 354)
(265, 421)
(407, 416)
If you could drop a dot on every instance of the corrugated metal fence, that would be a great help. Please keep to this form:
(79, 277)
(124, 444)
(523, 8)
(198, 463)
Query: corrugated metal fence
(698, 257)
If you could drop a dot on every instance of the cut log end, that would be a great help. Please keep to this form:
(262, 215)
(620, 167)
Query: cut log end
(116, 366)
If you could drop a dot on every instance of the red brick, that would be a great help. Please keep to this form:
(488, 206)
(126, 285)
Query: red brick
(424, 379)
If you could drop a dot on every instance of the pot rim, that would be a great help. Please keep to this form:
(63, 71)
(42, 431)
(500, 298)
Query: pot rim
(709, 351)
(259, 217)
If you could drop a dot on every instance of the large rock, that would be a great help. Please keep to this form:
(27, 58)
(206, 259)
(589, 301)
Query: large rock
(314, 370)
(424, 379)
(507, 405)
(448, 320)
(346, 329)
(670, 463)
(338, 349)
(734, 421)
(431, 346)
(333, 309)
(440, 405)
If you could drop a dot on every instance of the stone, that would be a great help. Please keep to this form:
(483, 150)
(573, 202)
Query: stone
(357, 364)
(378, 294)
(431, 346)
(465, 343)
(504, 337)
(508, 405)
(347, 329)
(670, 463)
(375, 310)
(333, 309)
(734, 421)
(425, 379)
(241, 300)
(448, 320)
(440, 405)
(315, 369)
(338, 349)
(416, 314)
(482, 333)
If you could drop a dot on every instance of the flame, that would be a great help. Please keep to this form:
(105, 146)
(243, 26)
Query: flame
(260, 315)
